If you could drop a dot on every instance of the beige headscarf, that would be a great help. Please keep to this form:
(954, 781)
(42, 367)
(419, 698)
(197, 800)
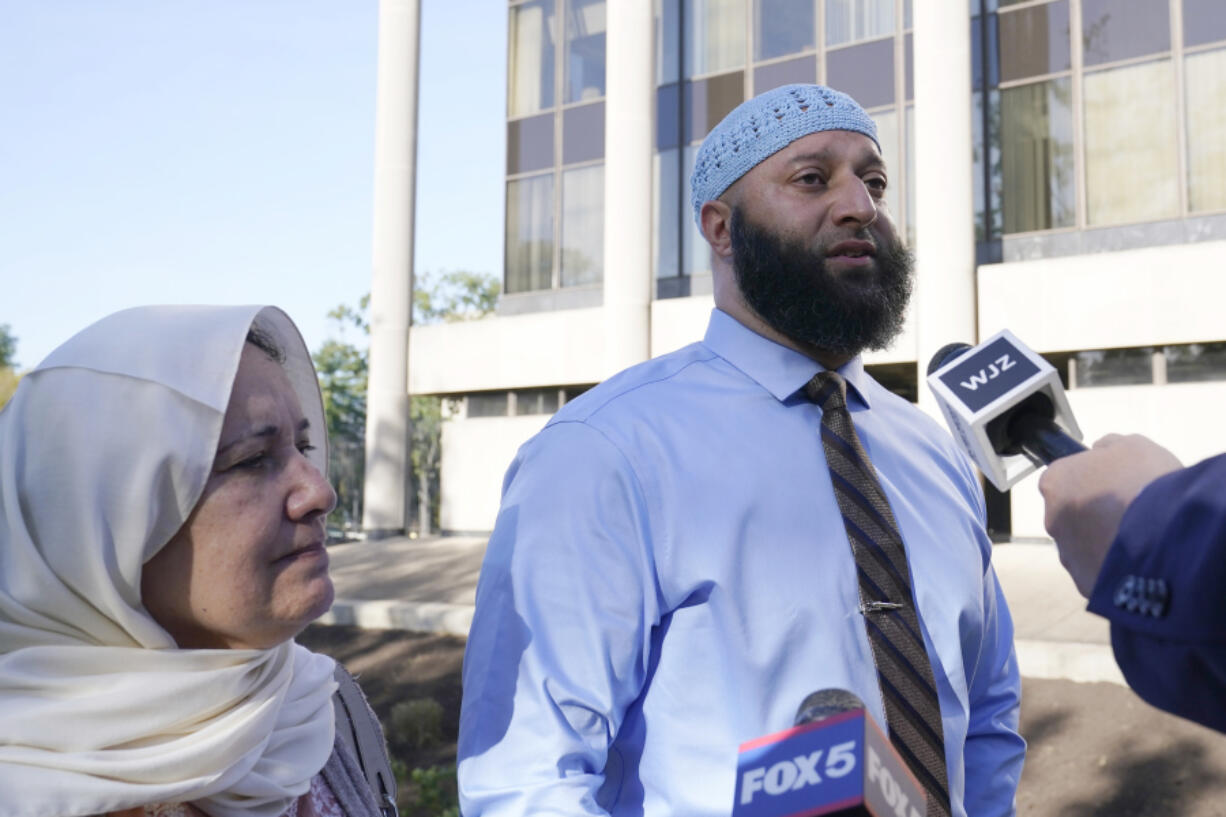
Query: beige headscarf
(104, 451)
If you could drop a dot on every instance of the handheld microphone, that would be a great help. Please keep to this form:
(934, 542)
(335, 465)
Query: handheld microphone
(835, 761)
(1005, 406)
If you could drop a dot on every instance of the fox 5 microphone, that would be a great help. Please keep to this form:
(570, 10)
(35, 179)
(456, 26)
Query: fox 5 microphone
(835, 761)
(1005, 406)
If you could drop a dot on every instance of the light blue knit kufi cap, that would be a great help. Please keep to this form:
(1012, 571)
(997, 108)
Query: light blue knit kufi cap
(764, 125)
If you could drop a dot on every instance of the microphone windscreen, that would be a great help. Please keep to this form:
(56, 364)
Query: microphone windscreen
(826, 702)
(946, 353)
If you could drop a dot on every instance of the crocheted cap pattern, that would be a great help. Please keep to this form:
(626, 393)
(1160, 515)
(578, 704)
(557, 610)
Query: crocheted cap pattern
(764, 125)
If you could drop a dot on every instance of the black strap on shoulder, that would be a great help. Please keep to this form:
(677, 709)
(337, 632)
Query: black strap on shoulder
(360, 731)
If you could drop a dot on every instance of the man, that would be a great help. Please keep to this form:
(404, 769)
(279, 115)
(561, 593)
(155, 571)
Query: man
(1145, 541)
(671, 573)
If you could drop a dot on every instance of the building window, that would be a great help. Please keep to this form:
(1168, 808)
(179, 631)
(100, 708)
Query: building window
(531, 75)
(536, 401)
(1131, 160)
(1205, 78)
(849, 21)
(555, 145)
(529, 233)
(1100, 115)
(486, 404)
(1194, 362)
(714, 36)
(782, 27)
(582, 225)
(1112, 367)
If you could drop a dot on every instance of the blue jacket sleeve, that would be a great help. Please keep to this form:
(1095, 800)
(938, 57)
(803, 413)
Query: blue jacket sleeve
(1163, 586)
(559, 641)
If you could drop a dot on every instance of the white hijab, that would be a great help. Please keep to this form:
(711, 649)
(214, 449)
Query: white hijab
(104, 451)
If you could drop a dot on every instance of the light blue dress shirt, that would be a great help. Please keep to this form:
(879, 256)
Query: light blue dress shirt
(669, 577)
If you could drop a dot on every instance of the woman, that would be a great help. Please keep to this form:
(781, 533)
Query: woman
(162, 507)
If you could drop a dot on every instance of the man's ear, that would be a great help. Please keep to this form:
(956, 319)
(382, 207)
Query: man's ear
(716, 217)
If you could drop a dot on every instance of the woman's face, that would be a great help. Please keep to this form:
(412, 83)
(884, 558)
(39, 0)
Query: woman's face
(248, 569)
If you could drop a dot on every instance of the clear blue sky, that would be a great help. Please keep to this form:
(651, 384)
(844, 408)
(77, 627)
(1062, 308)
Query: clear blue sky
(221, 151)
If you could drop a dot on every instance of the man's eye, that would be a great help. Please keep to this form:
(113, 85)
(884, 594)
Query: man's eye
(876, 183)
(304, 448)
(811, 178)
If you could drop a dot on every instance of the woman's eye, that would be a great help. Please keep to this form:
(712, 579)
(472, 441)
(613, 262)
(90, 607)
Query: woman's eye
(253, 462)
(305, 447)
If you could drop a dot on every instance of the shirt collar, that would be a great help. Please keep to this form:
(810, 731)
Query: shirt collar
(778, 369)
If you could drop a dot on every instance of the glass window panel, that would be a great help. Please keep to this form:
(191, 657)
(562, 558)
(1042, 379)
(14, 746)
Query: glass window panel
(1192, 362)
(1205, 79)
(981, 28)
(536, 401)
(695, 252)
(668, 116)
(987, 225)
(1034, 41)
(1114, 367)
(770, 76)
(906, 14)
(1203, 22)
(668, 206)
(714, 36)
(908, 56)
(1132, 161)
(1118, 29)
(707, 101)
(668, 41)
(486, 404)
(530, 78)
(849, 21)
(585, 28)
(530, 144)
(530, 234)
(582, 226)
(866, 72)
(887, 135)
(583, 133)
(1036, 127)
(783, 27)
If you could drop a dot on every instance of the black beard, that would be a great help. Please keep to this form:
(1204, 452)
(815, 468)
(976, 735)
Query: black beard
(789, 287)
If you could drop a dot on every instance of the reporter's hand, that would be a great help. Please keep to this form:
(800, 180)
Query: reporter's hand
(1086, 496)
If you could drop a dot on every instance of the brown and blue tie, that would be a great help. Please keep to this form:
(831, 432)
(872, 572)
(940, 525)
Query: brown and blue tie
(908, 688)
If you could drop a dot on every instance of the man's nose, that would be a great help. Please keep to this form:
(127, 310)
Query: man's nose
(854, 205)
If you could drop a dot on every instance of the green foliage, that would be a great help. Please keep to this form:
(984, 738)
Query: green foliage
(417, 723)
(8, 384)
(431, 792)
(451, 296)
(8, 348)
(343, 369)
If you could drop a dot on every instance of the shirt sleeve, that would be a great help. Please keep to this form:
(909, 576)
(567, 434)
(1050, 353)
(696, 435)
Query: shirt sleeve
(559, 643)
(1172, 546)
(994, 747)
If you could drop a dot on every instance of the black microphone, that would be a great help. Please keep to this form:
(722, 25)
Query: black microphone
(834, 762)
(1005, 405)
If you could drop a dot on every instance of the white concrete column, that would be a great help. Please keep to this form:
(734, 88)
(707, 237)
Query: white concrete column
(385, 509)
(945, 300)
(629, 131)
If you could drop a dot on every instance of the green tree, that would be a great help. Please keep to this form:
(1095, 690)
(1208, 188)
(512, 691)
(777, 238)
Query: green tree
(343, 371)
(8, 364)
(8, 348)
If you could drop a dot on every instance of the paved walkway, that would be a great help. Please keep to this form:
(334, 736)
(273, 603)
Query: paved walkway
(430, 585)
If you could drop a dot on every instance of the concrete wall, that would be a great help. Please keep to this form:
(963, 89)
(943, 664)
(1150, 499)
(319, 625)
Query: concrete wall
(475, 456)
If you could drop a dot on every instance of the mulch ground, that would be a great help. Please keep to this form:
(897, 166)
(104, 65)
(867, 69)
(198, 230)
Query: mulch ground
(1096, 750)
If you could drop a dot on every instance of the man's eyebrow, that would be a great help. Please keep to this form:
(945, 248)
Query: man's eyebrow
(264, 431)
(867, 158)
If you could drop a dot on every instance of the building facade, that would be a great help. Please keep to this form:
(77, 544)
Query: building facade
(1059, 167)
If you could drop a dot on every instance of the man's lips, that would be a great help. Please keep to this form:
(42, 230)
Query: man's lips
(852, 249)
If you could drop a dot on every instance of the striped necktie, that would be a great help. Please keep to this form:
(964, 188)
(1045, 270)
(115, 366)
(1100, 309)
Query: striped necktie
(908, 689)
